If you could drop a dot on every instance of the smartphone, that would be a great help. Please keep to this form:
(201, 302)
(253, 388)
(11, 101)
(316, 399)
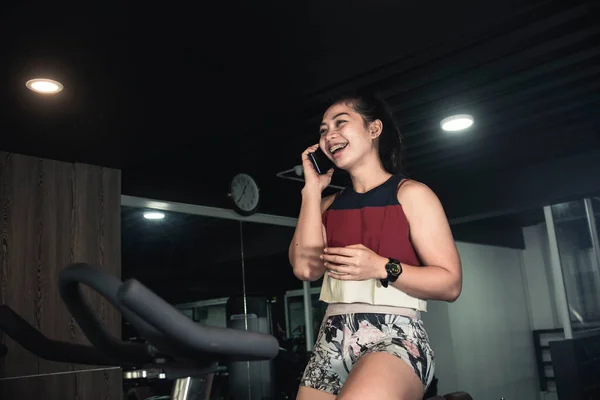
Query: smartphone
(320, 161)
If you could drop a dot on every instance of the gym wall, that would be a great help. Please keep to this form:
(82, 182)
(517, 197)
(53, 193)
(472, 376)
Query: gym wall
(54, 213)
(483, 341)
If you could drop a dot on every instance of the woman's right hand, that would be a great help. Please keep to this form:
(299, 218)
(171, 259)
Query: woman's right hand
(312, 180)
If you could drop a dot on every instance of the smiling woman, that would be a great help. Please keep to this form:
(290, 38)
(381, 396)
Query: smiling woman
(367, 116)
(383, 247)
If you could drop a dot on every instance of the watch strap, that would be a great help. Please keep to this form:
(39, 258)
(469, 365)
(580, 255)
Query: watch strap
(393, 269)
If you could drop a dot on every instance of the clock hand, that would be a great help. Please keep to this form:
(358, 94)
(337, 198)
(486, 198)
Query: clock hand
(243, 191)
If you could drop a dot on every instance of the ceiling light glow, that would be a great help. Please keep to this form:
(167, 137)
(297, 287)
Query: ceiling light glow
(45, 86)
(457, 122)
(153, 215)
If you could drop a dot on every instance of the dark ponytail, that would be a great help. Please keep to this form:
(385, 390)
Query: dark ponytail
(372, 107)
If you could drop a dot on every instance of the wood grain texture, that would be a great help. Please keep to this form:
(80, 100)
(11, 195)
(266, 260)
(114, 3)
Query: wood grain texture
(55, 213)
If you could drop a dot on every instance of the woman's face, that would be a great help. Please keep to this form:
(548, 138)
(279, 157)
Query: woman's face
(344, 137)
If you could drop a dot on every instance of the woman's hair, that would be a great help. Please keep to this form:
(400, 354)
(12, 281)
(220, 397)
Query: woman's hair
(372, 107)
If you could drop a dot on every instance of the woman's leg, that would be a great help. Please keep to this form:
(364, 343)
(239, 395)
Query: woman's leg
(382, 376)
(307, 393)
(397, 366)
(323, 377)
(321, 380)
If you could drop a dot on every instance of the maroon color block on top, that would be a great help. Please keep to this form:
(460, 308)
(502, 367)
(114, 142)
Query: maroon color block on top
(375, 219)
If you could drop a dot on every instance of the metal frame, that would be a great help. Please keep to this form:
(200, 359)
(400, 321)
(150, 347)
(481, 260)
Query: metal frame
(197, 388)
(287, 318)
(560, 292)
(591, 217)
(308, 326)
(307, 313)
(203, 303)
(300, 292)
(140, 202)
(283, 175)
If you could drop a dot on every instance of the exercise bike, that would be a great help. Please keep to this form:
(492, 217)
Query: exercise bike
(176, 349)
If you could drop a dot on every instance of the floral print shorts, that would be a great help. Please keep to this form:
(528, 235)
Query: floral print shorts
(344, 339)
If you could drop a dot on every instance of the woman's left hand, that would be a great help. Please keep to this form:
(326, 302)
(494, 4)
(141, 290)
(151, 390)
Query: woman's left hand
(354, 263)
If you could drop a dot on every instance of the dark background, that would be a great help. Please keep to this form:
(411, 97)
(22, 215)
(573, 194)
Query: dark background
(181, 97)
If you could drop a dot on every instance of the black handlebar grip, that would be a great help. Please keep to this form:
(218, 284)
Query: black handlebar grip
(213, 342)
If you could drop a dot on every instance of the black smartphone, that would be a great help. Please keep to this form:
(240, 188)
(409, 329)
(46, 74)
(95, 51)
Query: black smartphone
(320, 161)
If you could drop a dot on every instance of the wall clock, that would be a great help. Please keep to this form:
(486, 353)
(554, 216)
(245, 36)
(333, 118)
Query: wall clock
(245, 194)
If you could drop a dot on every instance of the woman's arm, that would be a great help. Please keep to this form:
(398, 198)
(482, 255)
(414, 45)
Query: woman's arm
(440, 278)
(309, 237)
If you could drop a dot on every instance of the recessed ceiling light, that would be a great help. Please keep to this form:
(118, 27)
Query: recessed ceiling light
(457, 122)
(153, 215)
(45, 86)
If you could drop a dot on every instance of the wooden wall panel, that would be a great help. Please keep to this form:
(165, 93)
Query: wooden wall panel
(55, 213)
(102, 384)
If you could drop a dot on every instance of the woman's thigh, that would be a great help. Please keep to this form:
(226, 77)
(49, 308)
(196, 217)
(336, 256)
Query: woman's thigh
(382, 376)
(308, 393)
(344, 341)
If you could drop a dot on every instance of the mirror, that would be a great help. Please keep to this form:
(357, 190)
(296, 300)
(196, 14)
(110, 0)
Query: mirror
(184, 258)
(226, 273)
(269, 279)
(579, 262)
(191, 261)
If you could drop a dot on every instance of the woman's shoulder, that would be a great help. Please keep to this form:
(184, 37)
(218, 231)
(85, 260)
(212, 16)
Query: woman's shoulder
(415, 193)
(327, 201)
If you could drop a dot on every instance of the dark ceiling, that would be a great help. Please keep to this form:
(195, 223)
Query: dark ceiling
(182, 97)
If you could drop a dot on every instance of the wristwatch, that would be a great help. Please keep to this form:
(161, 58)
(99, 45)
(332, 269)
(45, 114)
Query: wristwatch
(393, 269)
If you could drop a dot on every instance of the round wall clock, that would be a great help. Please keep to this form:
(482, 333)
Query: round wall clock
(245, 194)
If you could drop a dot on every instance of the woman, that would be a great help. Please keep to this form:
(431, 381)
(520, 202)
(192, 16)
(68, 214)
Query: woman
(384, 247)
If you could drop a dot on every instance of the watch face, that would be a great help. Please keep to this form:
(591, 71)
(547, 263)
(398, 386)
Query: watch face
(244, 192)
(393, 269)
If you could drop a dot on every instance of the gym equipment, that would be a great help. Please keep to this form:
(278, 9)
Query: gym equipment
(576, 365)
(37, 343)
(256, 380)
(177, 348)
